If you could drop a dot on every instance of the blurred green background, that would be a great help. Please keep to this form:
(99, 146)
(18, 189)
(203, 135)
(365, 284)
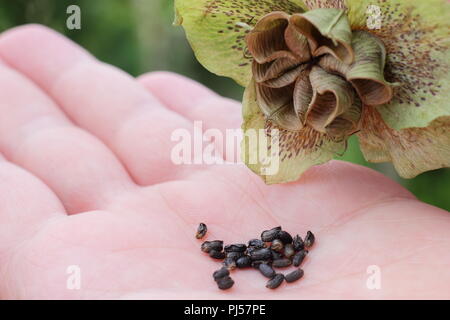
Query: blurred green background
(137, 36)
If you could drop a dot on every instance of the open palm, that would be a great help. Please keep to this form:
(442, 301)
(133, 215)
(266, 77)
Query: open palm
(86, 180)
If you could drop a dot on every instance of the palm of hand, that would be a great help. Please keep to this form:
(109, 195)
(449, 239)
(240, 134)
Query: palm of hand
(98, 191)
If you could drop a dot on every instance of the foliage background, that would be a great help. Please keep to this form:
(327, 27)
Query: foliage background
(137, 36)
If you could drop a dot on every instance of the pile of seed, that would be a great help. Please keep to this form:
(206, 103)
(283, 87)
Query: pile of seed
(276, 249)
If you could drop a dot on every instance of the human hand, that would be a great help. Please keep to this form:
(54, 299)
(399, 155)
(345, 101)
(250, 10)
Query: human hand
(87, 180)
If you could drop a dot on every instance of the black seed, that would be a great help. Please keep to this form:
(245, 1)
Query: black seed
(221, 273)
(201, 231)
(276, 255)
(266, 270)
(277, 245)
(243, 262)
(225, 283)
(256, 243)
(255, 264)
(239, 247)
(281, 263)
(234, 255)
(289, 250)
(309, 239)
(294, 275)
(261, 254)
(284, 236)
(275, 281)
(207, 246)
(270, 235)
(217, 254)
(229, 263)
(298, 258)
(298, 243)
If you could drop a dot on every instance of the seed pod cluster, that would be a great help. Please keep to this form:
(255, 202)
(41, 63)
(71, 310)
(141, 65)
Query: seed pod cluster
(276, 249)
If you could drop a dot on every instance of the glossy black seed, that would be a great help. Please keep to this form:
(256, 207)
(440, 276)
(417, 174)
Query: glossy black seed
(281, 263)
(266, 270)
(217, 254)
(221, 273)
(255, 264)
(225, 283)
(270, 235)
(234, 255)
(256, 243)
(284, 236)
(294, 275)
(238, 247)
(207, 246)
(299, 257)
(289, 250)
(243, 262)
(277, 245)
(229, 263)
(276, 255)
(298, 243)
(309, 239)
(201, 231)
(261, 254)
(275, 281)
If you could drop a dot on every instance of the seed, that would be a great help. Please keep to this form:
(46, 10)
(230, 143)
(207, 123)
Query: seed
(256, 243)
(299, 257)
(229, 263)
(298, 243)
(207, 246)
(255, 264)
(234, 255)
(270, 235)
(266, 270)
(275, 281)
(221, 273)
(225, 283)
(281, 263)
(277, 245)
(243, 262)
(239, 247)
(309, 239)
(294, 275)
(217, 254)
(276, 255)
(289, 250)
(261, 254)
(284, 236)
(201, 231)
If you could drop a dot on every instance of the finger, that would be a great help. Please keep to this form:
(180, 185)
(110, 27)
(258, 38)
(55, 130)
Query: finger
(193, 100)
(36, 135)
(117, 109)
(197, 103)
(26, 204)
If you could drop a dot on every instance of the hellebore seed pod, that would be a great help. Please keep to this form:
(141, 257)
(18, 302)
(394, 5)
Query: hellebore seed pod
(221, 273)
(207, 246)
(261, 254)
(225, 283)
(277, 245)
(289, 250)
(298, 243)
(243, 262)
(239, 247)
(284, 236)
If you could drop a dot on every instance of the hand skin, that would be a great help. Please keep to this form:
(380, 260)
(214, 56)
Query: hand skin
(86, 179)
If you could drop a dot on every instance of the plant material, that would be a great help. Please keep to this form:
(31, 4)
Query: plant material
(315, 74)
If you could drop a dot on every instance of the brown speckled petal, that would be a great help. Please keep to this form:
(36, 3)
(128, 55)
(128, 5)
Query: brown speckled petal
(271, 99)
(303, 94)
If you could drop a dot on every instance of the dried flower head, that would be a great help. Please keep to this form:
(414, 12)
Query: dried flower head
(318, 73)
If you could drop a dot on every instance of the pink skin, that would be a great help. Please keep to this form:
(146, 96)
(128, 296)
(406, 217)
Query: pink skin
(86, 179)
